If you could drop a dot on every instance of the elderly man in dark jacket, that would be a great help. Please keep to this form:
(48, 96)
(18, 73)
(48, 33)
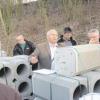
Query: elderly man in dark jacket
(24, 47)
(7, 93)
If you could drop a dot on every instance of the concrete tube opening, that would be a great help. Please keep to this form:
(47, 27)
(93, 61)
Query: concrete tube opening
(26, 99)
(97, 87)
(30, 77)
(79, 91)
(5, 72)
(14, 80)
(21, 69)
(31, 94)
(23, 87)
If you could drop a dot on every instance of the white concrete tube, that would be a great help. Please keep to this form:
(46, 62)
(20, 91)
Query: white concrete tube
(69, 88)
(41, 85)
(12, 68)
(73, 60)
(24, 86)
(93, 81)
(22, 68)
(57, 87)
(19, 65)
(5, 71)
(6, 74)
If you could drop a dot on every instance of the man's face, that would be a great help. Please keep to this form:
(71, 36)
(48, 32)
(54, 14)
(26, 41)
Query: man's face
(67, 36)
(20, 38)
(53, 37)
(93, 37)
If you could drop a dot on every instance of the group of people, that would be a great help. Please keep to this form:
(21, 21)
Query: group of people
(42, 55)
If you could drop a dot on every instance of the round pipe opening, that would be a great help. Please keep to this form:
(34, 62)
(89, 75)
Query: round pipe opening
(31, 94)
(21, 69)
(97, 87)
(79, 91)
(30, 77)
(23, 87)
(14, 80)
(5, 72)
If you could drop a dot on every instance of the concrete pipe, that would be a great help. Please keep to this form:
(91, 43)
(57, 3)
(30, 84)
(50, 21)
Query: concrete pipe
(42, 85)
(5, 72)
(97, 86)
(73, 60)
(22, 68)
(57, 87)
(93, 81)
(24, 86)
(79, 91)
(69, 88)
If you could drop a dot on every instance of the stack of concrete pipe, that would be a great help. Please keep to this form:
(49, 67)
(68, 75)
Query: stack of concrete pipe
(54, 87)
(77, 72)
(16, 72)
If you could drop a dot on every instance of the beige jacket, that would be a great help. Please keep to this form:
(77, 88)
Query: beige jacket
(44, 55)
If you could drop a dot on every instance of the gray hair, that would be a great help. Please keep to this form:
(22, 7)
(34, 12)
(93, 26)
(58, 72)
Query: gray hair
(93, 31)
(51, 31)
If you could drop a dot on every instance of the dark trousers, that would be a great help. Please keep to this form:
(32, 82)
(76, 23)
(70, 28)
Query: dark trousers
(34, 66)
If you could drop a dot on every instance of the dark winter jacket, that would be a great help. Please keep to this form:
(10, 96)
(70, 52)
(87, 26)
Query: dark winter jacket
(29, 48)
(61, 40)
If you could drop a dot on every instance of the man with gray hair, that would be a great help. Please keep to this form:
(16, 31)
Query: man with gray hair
(93, 36)
(44, 53)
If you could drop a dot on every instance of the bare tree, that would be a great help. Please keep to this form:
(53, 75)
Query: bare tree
(8, 8)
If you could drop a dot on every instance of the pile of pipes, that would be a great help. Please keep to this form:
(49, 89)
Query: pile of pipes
(77, 73)
(16, 72)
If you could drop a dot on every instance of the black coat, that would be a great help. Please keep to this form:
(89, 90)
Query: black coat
(29, 48)
(61, 40)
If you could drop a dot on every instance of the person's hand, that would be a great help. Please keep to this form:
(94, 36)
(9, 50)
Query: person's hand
(34, 59)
